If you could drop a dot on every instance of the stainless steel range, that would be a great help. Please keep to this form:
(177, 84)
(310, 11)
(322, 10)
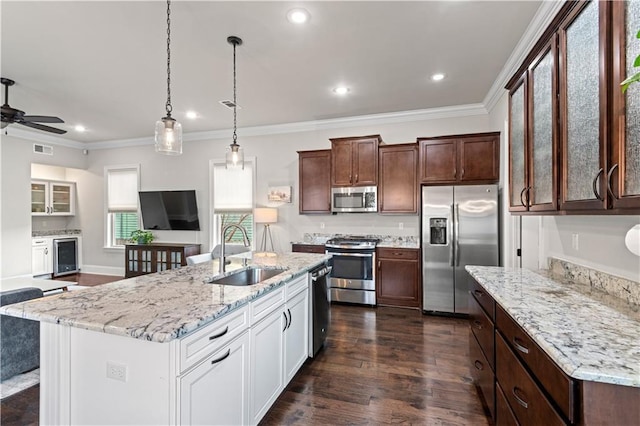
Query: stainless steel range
(353, 275)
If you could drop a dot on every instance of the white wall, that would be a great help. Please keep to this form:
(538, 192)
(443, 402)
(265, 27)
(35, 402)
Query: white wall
(15, 227)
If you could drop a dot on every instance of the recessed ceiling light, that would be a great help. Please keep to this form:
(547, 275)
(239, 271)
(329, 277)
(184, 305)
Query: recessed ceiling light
(341, 90)
(437, 77)
(298, 16)
(80, 128)
(192, 115)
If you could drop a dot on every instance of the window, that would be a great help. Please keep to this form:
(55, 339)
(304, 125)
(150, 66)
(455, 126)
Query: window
(121, 189)
(232, 200)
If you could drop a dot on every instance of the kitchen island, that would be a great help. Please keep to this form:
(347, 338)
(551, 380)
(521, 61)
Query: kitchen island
(562, 352)
(168, 348)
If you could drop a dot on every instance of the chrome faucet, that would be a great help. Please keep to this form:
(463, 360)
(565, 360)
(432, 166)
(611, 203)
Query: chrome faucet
(223, 238)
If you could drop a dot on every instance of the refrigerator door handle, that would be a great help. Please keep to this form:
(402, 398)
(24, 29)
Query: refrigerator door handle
(452, 238)
(456, 221)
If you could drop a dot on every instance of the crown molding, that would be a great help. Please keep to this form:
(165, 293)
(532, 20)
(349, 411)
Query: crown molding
(537, 26)
(308, 126)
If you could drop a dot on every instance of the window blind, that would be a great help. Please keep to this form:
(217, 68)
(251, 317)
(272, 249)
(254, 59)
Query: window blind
(232, 188)
(122, 190)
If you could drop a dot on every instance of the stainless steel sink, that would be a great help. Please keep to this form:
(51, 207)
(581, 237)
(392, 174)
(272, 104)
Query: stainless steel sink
(248, 276)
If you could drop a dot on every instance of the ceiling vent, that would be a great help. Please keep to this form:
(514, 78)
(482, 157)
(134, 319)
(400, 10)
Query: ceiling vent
(230, 104)
(42, 149)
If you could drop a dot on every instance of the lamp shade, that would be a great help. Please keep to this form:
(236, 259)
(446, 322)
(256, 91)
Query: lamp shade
(265, 215)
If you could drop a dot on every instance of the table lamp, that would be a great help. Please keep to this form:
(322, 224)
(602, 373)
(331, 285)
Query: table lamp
(267, 216)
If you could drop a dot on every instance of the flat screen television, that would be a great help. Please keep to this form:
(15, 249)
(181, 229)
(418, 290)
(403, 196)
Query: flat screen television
(169, 210)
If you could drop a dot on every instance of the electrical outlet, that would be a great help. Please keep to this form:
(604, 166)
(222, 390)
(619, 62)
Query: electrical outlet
(400, 225)
(117, 371)
(44, 224)
(575, 242)
(321, 225)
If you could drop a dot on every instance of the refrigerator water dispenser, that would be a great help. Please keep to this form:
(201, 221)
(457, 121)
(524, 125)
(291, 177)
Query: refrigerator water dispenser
(438, 227)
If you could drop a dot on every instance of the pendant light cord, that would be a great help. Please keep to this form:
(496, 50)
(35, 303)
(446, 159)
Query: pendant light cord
(235, 105)
(168, 106)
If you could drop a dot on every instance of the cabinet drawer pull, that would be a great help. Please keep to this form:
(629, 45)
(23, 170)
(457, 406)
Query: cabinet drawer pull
(222, 358)
(356, 178)
(477, 324)
(478, 365)
(478, 293)
(286, 321)
(595, 187)
(609, 190)
(515, 391)
(519, 345)
(289, 310)
(222, 333)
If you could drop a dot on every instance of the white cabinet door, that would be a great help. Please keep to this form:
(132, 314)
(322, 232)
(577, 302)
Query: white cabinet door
(297, 334)
(41, 256)
(215, 392)
(267, 374)
(53, 198)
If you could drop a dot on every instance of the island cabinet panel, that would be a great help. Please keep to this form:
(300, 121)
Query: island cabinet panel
(460, 159)
(142, 259)
(354, 161)
(504, 414)
(483, 329)
(296, 349)
(218, 388)
(398, 277)
(307, 248)
(398, 181)
(314, 180)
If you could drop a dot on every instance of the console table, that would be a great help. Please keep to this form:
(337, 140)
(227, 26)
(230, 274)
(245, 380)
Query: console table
(141, 259)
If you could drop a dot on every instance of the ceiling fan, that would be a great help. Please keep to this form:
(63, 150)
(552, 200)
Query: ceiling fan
(12, 115)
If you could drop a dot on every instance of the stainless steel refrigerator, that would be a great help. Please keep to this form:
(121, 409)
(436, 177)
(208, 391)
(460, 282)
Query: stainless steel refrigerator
(459, 227)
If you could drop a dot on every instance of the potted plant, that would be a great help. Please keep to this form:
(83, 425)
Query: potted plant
(636, 77)
(141, 237)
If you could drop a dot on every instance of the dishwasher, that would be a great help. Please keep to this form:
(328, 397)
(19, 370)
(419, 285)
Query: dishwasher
(320, 307)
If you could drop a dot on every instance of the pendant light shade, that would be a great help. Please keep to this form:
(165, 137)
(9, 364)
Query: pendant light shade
(168, 136)
(235, 154)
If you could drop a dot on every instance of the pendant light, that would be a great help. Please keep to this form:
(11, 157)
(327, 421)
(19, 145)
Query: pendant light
(235, 154)
(168, 131)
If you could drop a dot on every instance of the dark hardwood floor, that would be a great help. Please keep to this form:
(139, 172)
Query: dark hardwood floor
(89, 280)
(379, 366)
(382, 366)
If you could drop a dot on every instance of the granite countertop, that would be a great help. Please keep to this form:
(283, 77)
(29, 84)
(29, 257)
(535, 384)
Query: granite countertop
(163, 306)
(55, 233)
(588, 335)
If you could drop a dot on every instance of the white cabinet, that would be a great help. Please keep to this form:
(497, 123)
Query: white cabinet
(279, 344)
(41, 256)
(215, 392)
(50, 198)
(296, 337)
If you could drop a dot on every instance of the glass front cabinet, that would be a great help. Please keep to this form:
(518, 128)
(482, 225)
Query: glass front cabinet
(574, 141)
(49, 198)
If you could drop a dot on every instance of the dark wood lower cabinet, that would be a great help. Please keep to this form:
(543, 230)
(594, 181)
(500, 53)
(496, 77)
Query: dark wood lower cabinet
(307, 248)
(142, 259)
(398, 277)
(504, 414)
(483, 376)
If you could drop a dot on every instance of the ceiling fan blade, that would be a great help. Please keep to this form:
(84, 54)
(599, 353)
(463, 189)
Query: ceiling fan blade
(43, 127)
(42, 119)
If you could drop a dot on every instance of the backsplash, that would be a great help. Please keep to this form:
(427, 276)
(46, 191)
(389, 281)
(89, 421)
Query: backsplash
(624, 289)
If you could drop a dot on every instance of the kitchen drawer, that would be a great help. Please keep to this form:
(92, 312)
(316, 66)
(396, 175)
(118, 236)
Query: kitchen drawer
(307, 248)
(482, 328)
(266, 304)
(525, 398)
(482, 374)
(483, 298)
(553, 380)
(202, 343)
(398, 253)
(504, 415)
(297, 285)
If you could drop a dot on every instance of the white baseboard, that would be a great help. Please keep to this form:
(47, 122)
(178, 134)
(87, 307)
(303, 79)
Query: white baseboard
(103, 270)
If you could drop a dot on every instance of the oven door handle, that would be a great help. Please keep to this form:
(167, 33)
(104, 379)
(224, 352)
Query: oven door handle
(351, 254)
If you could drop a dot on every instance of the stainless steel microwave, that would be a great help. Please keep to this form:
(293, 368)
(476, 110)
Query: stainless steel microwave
(354, 199)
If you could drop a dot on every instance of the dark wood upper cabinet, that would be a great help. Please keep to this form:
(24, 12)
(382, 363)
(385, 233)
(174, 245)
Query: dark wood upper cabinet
(460, 159)
(579, 134)
(314, 169)
(398, 182)
(354, 161)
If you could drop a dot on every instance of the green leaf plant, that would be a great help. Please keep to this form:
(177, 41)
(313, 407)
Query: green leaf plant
(634, 78)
